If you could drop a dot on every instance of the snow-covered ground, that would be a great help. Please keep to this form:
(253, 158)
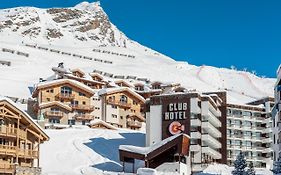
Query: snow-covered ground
(83, 150)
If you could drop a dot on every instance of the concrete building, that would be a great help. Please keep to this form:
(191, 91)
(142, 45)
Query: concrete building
(249, 130)
(276, 115)
(202, 116)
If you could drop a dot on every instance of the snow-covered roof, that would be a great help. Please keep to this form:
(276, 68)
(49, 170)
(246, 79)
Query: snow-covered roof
(27, 116)
(63, 81)
(146, 150)
(101, 122)
(83, 79)
(54, 103)
(120, 89)
(123, 81)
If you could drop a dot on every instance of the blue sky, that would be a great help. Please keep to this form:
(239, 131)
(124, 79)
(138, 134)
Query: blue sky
(243, 33)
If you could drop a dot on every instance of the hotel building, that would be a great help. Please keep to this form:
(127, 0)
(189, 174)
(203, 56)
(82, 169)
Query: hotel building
(202, 116)
(249, 130)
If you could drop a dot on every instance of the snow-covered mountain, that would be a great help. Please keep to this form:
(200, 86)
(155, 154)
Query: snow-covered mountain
(34, 40)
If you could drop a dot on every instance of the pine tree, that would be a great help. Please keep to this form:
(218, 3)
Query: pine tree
(251, 170)
(277, 166)
(240, 165)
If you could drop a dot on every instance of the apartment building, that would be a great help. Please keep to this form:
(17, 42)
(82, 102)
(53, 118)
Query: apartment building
(249, 130)
(63, 101)
(202, 116)
(276, 115)
(20, 139)
(121, 107)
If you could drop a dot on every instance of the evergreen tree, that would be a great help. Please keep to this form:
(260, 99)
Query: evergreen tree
(277, 166)
(251, 170)
(240, 165)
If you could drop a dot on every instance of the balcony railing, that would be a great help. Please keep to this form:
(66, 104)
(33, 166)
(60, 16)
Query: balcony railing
(6, 168)
(28, 153)
(119, 103)
(8, 131)
(54, 114)
(134, 124)
(83, 117)
(7, 149)
(12, 132)
(82, 107)
(65, 96)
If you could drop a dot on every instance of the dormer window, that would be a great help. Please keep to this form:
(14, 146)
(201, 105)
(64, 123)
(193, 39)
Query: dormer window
(123, 99)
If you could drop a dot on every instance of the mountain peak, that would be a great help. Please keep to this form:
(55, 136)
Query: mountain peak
(87, 6)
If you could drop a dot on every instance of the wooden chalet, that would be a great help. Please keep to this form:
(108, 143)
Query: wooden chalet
(20, 139)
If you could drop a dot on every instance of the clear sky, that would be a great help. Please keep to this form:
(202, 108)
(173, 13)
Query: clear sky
(221, 33)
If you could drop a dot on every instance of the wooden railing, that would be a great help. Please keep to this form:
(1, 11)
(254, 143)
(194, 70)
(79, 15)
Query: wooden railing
(12, 132)
(119, 103)
(28, 153)
(54, 114)
(82, 107)
(135, 124)
(7, 149)
(83, 117)
(6, 167)
(65, 96)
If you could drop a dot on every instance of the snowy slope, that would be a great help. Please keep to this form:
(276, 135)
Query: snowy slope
(91, 151)
(80, 29)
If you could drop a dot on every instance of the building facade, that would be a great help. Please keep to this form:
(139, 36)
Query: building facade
(121, 107)
(20, 139)
(202, 116)
(63, 101)
(249, 130)
(276, 115)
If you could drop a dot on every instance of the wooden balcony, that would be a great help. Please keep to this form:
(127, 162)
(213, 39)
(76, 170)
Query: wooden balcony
(88, 108)
(8, 131)
(119, 103)
(6, 168)
(134, 124)
(28, 153)
(12, 132)
(54, 114)
(83, 117)
(65, 96)
(7, 150)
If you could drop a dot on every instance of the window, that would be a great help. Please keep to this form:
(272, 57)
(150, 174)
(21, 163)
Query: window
(74, 103)
(114, 106)
(114, 116)
(48, 99)
(121, 117)
(50, 90)
(123, 99)
(81, 94)
(84, 103)
(134, 102)
(66, 90)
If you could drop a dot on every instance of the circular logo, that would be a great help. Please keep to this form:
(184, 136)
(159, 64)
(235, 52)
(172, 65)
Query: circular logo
(176, 128)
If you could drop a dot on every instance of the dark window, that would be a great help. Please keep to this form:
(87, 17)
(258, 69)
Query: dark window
(66, 90)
